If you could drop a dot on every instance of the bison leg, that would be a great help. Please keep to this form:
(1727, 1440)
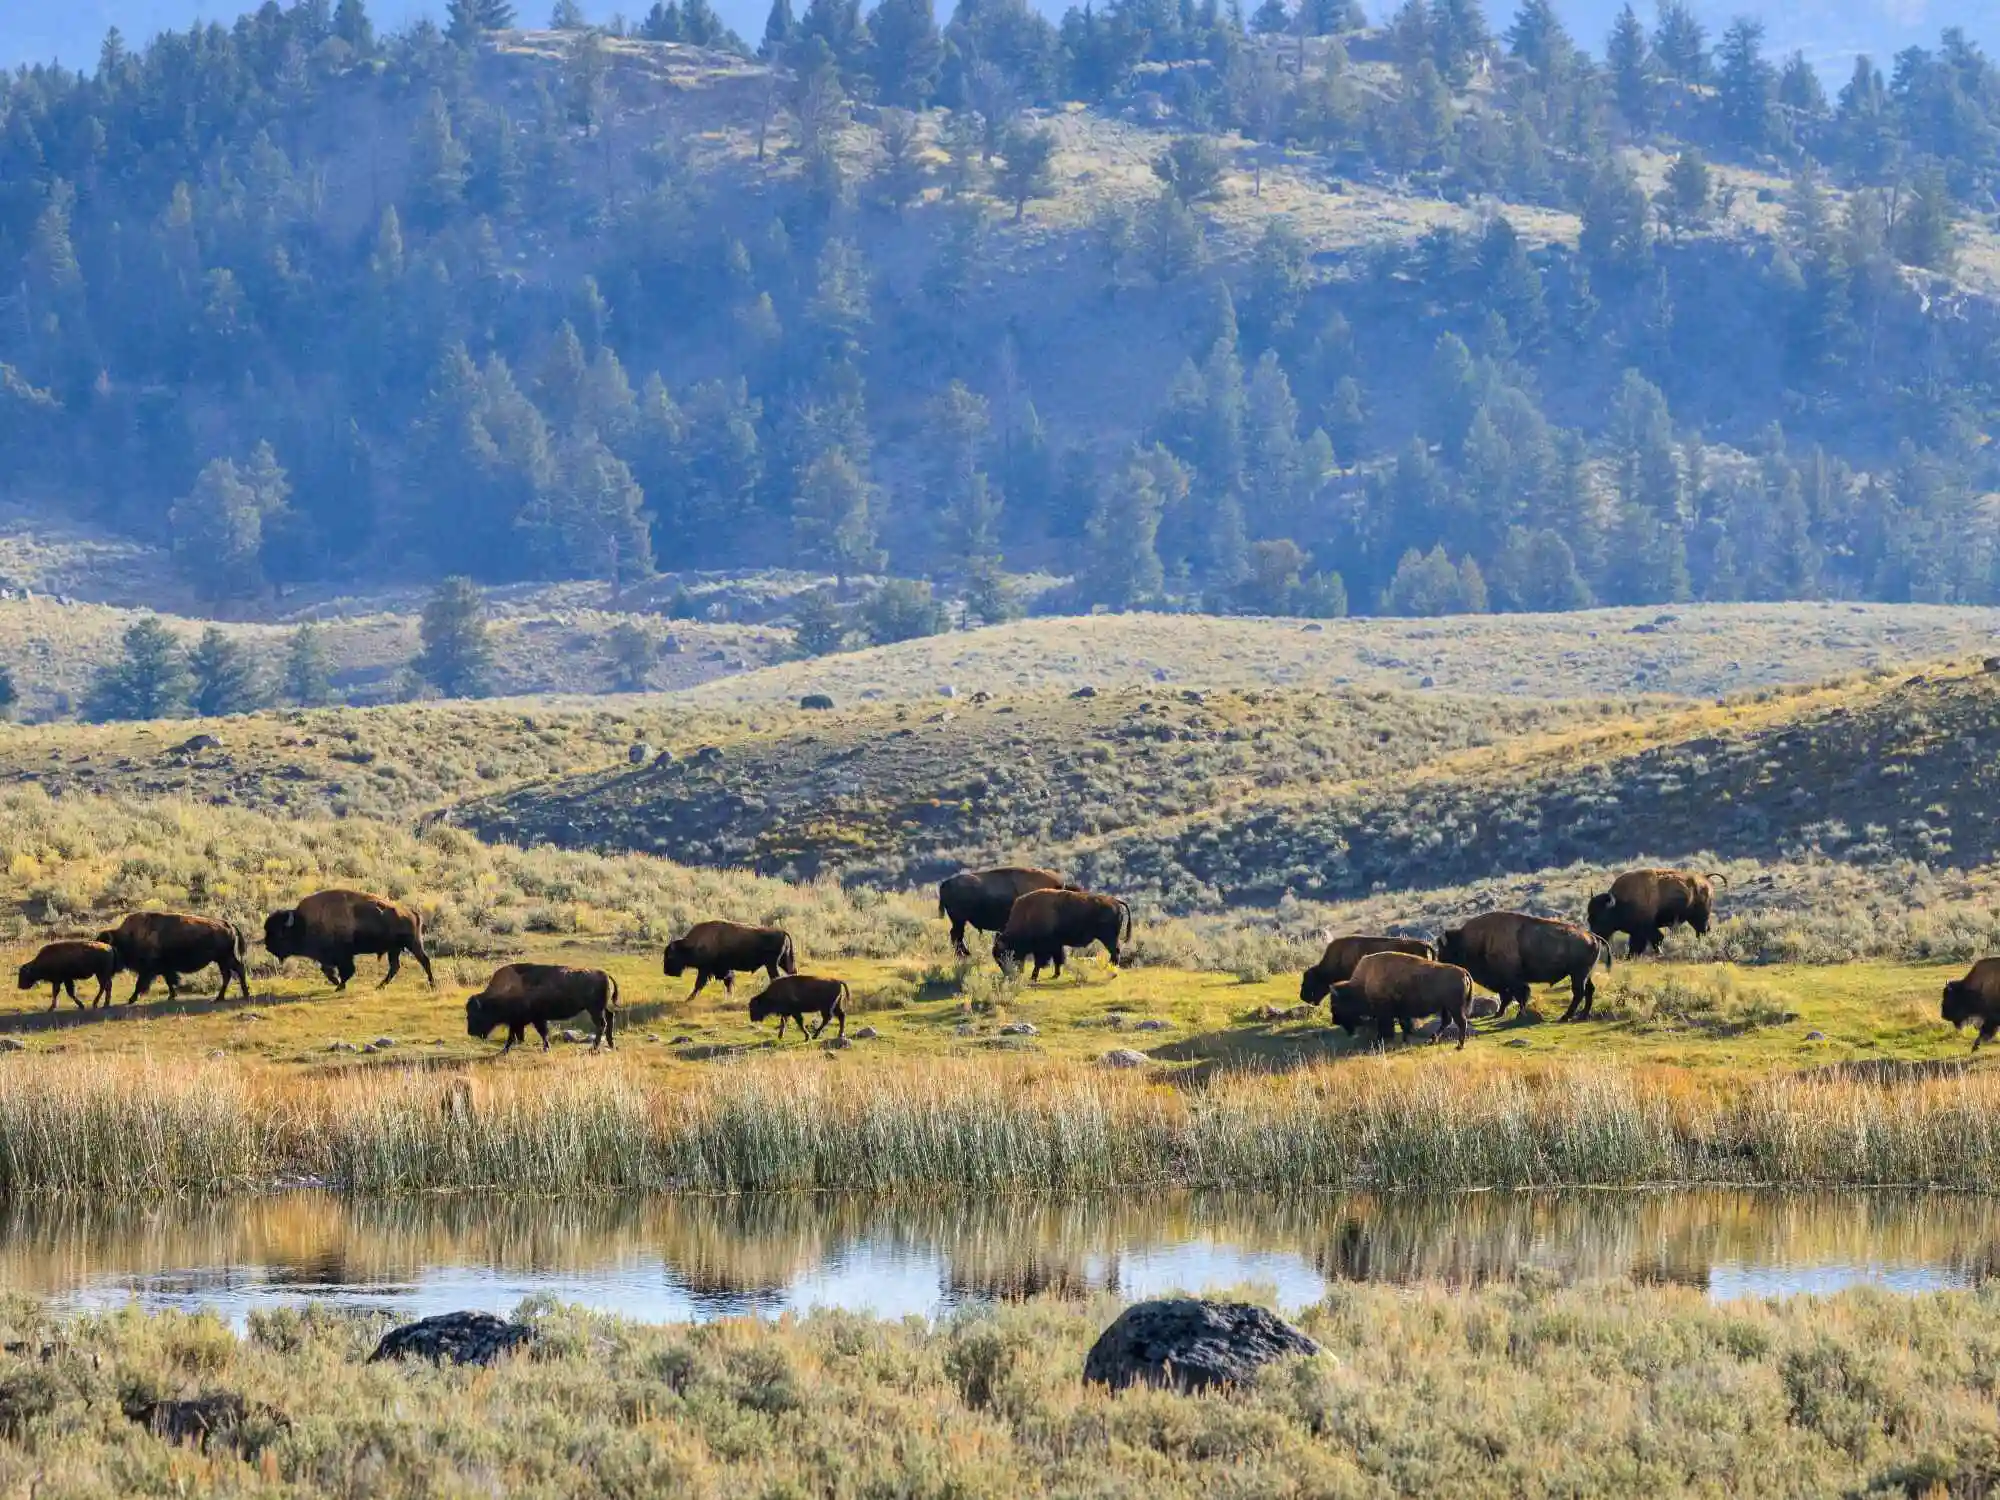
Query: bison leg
(395, 964)
(958, 938)
(223, 993)
(55, 992)
(542, 1031)
(514, 1034)
(729, 981)
(138, 990)
(700, 979)
(1986, 1032)
(782, 1018)
(423, 958)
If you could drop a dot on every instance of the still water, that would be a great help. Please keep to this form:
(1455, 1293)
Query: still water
(678, 1259)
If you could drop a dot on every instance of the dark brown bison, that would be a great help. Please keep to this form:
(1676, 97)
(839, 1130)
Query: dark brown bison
(331, 928)
(1395, 989)
(796, 995)
(61, 964)
(1976, 998)
(1646, 904)
(722, 950)
(1343, 953)
(1043, 924)
(166, 945)
(1509, 952)
(522, 995)
(982, 898)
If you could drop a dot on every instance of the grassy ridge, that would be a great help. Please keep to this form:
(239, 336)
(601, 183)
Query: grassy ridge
(996, 1125)
(1520, 1391)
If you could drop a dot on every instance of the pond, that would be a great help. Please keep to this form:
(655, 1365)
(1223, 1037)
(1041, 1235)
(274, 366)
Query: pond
(690, 1258)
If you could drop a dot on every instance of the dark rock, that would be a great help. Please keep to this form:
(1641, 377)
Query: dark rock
(1086, 691)
(819, 701)
(1991, 664)
(222, 1419)
(463, 1338)
(1190, 1344)
(638, 755)
(197, 744)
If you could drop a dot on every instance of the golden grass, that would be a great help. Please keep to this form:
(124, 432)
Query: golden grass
(1523, 1391)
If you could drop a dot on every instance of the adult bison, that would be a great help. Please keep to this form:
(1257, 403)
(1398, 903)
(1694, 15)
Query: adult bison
(1343, 953)
(722, 950)
(796, 995)
(1043, 924)
(1395, 989)
(1645, 904)
(522, 995)
(1976, 998)
(61, 964)
(1509, 952)
(332, 927)
(166, 945)
(983, 898)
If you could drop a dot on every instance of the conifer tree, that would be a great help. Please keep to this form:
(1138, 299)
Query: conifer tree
(781, 29)
(1123, 567)
(225, 679)
(1628, 58)
(308, 667)
(831, 521)
(149, 680)
(456, 653)
(909, 51)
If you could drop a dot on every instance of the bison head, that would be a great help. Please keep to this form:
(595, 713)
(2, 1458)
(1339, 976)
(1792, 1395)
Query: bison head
(1603, 912)
(1004, 953)
(1451, 946)
(1346, 1008)
(282, 934)
(28, 979)
(677, 959)
(1313, 986)
(1960, 1004)
(479, 1018)
(762, 1008)
(108, 937)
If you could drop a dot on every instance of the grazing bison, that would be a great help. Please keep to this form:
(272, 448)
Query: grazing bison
(1343, 953)
(1509, 952)
(1045, 923)
(522, 995)
(332, 927)
(1400, 989)
(1645, 904)
(1976, 998)
(722, 950)
(166, 945)
(982, 898)
(61, 964)
(791, 998)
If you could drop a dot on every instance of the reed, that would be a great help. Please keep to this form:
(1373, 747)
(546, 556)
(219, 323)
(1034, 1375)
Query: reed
(117, 1129)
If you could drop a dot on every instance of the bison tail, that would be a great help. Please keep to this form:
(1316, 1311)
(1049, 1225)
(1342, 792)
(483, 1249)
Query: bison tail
(788, 958)
(1125, 917)
(610, 993)
(1603, 951)
(941, 906)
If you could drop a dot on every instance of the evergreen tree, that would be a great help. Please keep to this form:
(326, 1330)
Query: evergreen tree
(467, 20)
(438, 165)
(225, 679)
(10, 696)
(1628, 58)
(456, 652)
(149, 680)
(1800, 91)
(1347, 419)
(1746, 86)
(352, 26)
(902, 609)
(1685, 200)
(908, 51)
(899, 180)
(831, 521)
(780, 30)
(1272, 459)
(218, 530)
(568, 16)
(308, 668)
(1459, 37)
(1123, 567)
(1536, 572)
(663, 22)
(1026, 169)
(633, 654)
(1538, 39)
(1923, 233)
(1681, 44)
(1429, 584)
(1192, 168)
(1271, 18)
(819, 626)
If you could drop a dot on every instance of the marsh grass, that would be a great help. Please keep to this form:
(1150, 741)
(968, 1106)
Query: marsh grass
(998, 1124)
(1520, 1390)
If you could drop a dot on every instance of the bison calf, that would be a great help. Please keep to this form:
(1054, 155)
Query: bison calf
(60, 965)
(1044, 925)
(522, 995)
(1394, 989)
(166, 945)
(1343, 953)
(792, 997)
(722, 950)
(1976, 998)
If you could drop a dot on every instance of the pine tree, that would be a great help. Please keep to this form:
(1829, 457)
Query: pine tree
(1537, 39)
(633, 654)
(831, 521)
(225, 679)
(352, 26)
(663, 22)
(1271, 18)
(819, 626)
(1271, 442)
(908, 51)
(1026, 169)
(218, 531)
(902, 609)
(1193, 169)
(1347, 419)
(1923, 234)
(1800, 91)
(1681, 44)
(590, 522)
(899, 181)
(438, 165)
(568, 16)
(308, 668)
(1428, 584)
(149, 680)
(1453, 390)
(1629, 60)
(456, 653)
(1685, 200)
(780, 30)
(1123, 567)
(1746, 86)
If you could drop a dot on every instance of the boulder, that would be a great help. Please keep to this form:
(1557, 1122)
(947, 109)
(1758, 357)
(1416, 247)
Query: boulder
(1086, 691)
(820, 701)
(1484, 1006)
(1124, 1057)
(1019, 1028)
(1191, 1344)
(638, 755)
(463, 1338)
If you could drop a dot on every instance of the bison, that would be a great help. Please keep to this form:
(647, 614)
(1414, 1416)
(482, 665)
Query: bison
(1045, 923)
(1343, 953)
(790, 998)
(1392, 989)
(1645, 904)
(166, 945)
(1976, 998)
(522, 995)
(61, 964)
(722, 950)
(982, 898)
(1509, 952)
(331, 927)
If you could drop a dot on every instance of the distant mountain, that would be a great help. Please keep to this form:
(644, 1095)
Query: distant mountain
(1828, 31)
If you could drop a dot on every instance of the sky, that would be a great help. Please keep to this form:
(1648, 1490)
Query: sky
(1829, 31)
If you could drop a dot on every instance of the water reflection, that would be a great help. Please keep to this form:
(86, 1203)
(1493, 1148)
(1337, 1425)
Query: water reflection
(700, 1258)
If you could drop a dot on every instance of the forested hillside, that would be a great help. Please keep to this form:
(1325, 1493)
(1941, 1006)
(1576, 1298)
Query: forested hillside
(1274, 314)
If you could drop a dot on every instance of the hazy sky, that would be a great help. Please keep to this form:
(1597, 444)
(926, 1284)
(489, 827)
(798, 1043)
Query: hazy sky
(70, 30)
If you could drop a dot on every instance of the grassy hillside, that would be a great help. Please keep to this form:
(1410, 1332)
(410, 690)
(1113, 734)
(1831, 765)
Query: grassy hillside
(1690, 650)
(890, 795)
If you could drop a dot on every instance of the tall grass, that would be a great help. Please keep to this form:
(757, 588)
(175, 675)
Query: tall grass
(124, 1130)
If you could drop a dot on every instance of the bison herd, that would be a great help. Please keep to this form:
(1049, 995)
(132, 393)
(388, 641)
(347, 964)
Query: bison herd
(1388, 982)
